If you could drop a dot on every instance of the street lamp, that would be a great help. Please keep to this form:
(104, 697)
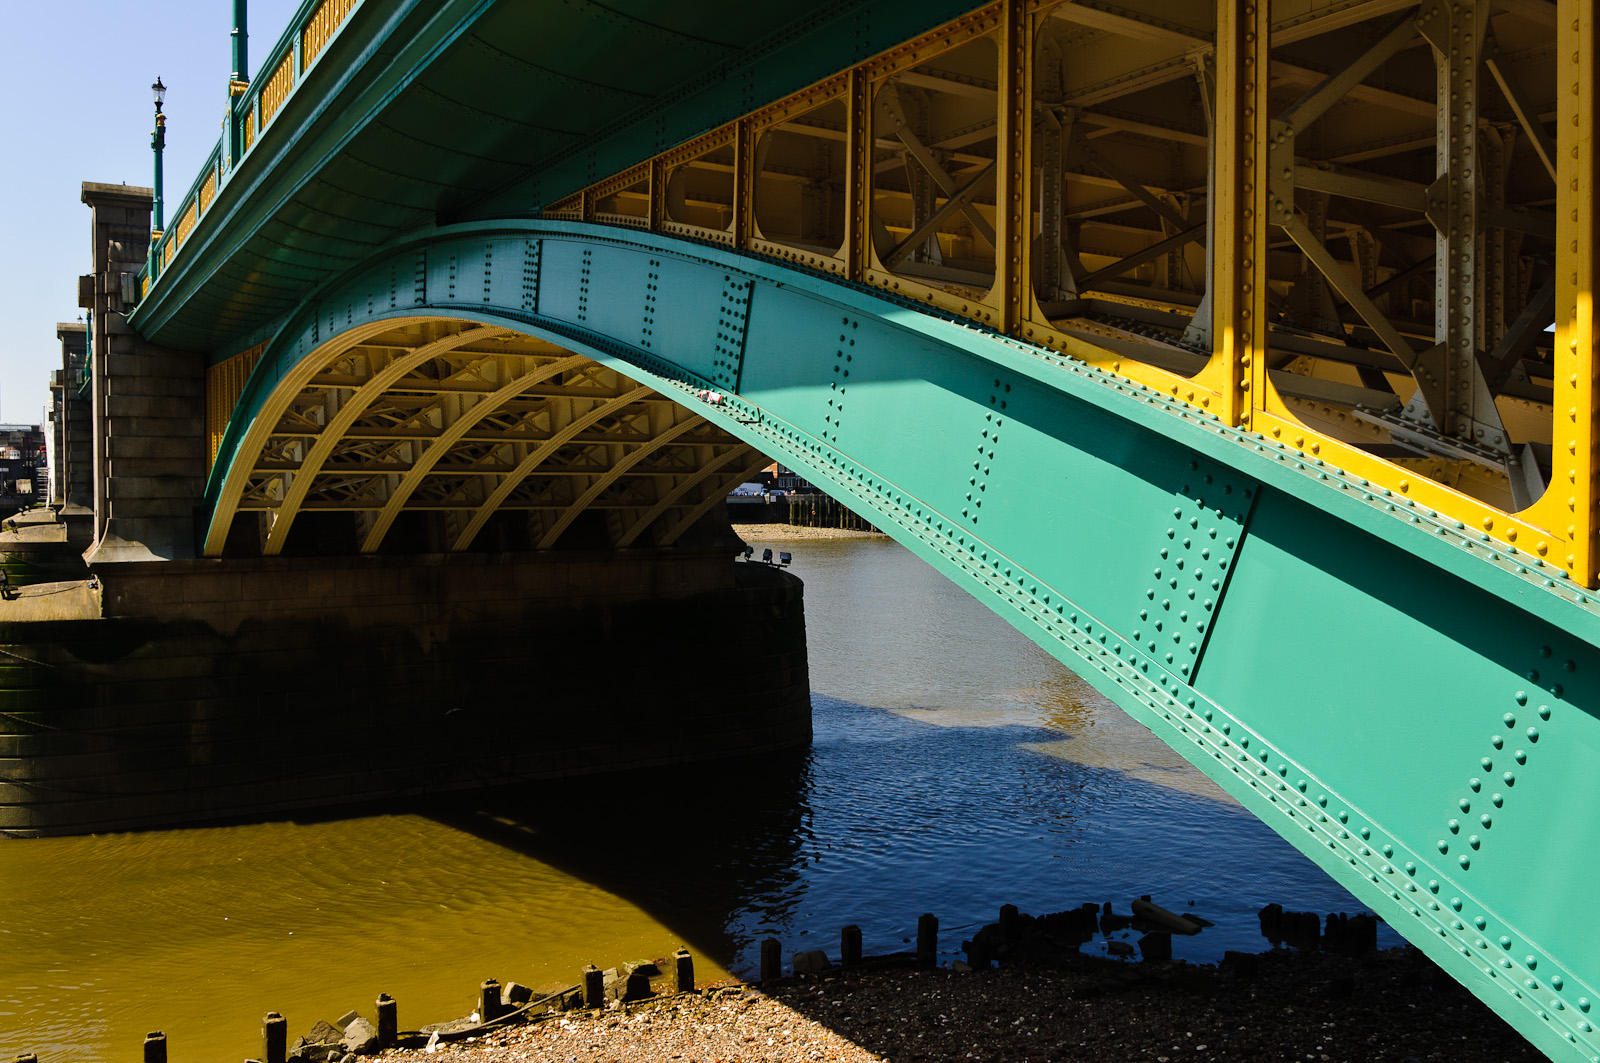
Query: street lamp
(158, 141)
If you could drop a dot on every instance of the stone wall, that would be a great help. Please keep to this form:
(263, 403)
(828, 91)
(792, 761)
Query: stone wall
(71, 475)
(149, 457)
(351, 682)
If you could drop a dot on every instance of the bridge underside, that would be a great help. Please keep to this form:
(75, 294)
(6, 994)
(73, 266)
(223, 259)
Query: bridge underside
(434, 435)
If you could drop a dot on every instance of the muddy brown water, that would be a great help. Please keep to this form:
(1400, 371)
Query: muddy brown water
(956, 767)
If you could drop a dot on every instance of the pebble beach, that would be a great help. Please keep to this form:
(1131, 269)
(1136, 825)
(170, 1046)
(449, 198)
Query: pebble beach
(1286, 1005)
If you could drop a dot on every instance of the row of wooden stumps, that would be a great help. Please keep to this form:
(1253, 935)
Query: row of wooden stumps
(274, 1036)
(492, 1007)
(822, 511)
(850, 949)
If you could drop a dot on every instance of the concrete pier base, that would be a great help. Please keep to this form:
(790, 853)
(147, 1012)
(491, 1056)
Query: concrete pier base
(217, 689)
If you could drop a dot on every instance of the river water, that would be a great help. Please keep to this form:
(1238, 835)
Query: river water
(956, 767)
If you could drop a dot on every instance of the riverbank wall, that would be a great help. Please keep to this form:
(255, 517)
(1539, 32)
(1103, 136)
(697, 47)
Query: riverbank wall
(214, 689)
(807, 510)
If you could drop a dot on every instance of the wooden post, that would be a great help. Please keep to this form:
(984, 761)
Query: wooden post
(685, 970)
(850, 945)
(488, 1000)
(771, 960)
(927, 939)
(155, 1047)
(388, 1021)
(1010, 922)
(274, 1038)
(594, 987)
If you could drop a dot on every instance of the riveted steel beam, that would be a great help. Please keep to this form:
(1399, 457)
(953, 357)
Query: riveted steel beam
(618, 469)
(1340, 84)
(1459, 402)
(688, 483)
(528, 464)
(1527, 115)
(333, 432)
(451, 436)
(1239, 251)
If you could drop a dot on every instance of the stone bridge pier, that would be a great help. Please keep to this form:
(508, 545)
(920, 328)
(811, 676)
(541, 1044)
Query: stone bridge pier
(157, 686)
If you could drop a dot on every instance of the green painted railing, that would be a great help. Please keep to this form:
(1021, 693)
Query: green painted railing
(250, 113)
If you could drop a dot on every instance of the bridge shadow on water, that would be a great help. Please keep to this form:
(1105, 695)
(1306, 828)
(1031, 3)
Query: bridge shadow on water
(894, 813)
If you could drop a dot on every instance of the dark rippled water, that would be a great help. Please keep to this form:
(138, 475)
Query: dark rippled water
(956, 768)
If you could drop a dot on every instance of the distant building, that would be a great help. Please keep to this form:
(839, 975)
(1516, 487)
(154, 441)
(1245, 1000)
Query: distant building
(24, 475)
(780, 477)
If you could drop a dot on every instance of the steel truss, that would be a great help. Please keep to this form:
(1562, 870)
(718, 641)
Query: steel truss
(1349, 225)
(460, 422)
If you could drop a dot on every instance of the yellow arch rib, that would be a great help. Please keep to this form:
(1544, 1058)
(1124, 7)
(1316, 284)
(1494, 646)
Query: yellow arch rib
(260, 431)
(623, 464)
(716, 499)
(424, 465)
(693, 480)
(335, 429)
(529, 463)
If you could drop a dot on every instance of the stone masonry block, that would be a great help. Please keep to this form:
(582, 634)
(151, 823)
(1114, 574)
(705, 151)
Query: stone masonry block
(182, 427)
(163, 363)
(130, 487)
(193, 467)
(167, 509)
(192, 388)
(151, 406)
(192, 448)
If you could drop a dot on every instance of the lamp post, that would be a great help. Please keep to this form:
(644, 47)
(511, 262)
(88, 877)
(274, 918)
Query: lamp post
(158, 141)
(241, 42)
(238, 83)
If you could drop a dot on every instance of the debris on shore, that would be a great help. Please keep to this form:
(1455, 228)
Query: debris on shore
(1025, 992)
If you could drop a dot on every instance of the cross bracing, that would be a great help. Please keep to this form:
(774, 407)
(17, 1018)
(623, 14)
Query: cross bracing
(463, 422)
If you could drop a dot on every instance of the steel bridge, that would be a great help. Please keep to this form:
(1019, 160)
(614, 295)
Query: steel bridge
(1241, 354)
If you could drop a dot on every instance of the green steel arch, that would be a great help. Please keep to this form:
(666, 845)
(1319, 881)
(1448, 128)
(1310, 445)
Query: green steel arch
(1409, 703)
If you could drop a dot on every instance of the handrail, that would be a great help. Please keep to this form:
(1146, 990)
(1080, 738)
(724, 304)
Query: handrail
(310, 31)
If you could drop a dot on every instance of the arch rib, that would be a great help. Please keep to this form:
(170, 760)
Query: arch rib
(623, 464)
(690, 482)
(716, 498)
(335, 429)
(531, 462)
(413, 478)
(267, 419)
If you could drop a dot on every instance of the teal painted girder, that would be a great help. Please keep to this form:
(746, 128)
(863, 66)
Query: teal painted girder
(417, 111)
(1410, 705)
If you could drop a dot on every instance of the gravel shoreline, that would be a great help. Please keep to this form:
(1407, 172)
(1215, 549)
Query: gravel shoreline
(772, 533)
(1284, 1005)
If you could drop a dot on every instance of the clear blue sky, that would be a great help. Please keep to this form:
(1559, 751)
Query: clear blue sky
(76, 83)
